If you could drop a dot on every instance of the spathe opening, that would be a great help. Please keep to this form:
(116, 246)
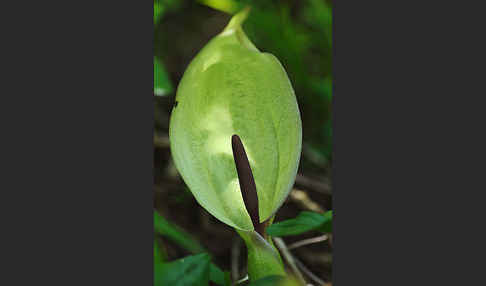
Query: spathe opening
(247, 184)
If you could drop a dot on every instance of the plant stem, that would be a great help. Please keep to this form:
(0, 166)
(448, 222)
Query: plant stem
(263, 257)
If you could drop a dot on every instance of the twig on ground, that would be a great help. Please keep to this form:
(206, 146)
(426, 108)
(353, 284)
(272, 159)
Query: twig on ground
(171, 171)
(308, 241)
(307, 272)
(311, 184)
(289, 258)
(303, 200)
(161, 141)
(314, 256)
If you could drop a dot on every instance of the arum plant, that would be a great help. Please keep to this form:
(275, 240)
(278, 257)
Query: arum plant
(236, 136)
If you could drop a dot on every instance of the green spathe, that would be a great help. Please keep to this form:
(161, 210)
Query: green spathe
(232, 88)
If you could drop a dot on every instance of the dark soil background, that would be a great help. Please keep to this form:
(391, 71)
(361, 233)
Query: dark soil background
(298, 33)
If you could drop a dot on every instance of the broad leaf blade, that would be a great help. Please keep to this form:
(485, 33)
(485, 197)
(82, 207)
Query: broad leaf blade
(175, 234)
(305, 221)
(190, 270)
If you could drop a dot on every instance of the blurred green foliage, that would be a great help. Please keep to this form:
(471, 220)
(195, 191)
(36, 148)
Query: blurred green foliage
(176, 234)
(218, 276)
(162, 84)
(167, 272)
(159, 254)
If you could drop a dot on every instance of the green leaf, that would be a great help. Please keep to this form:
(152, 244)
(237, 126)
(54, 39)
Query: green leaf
(227, 279)
(268, 281)
(159, 254)
(190, 270)
(217, 275)
(162, 84)
(326, 227)
(176, 234)
(305, 221)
